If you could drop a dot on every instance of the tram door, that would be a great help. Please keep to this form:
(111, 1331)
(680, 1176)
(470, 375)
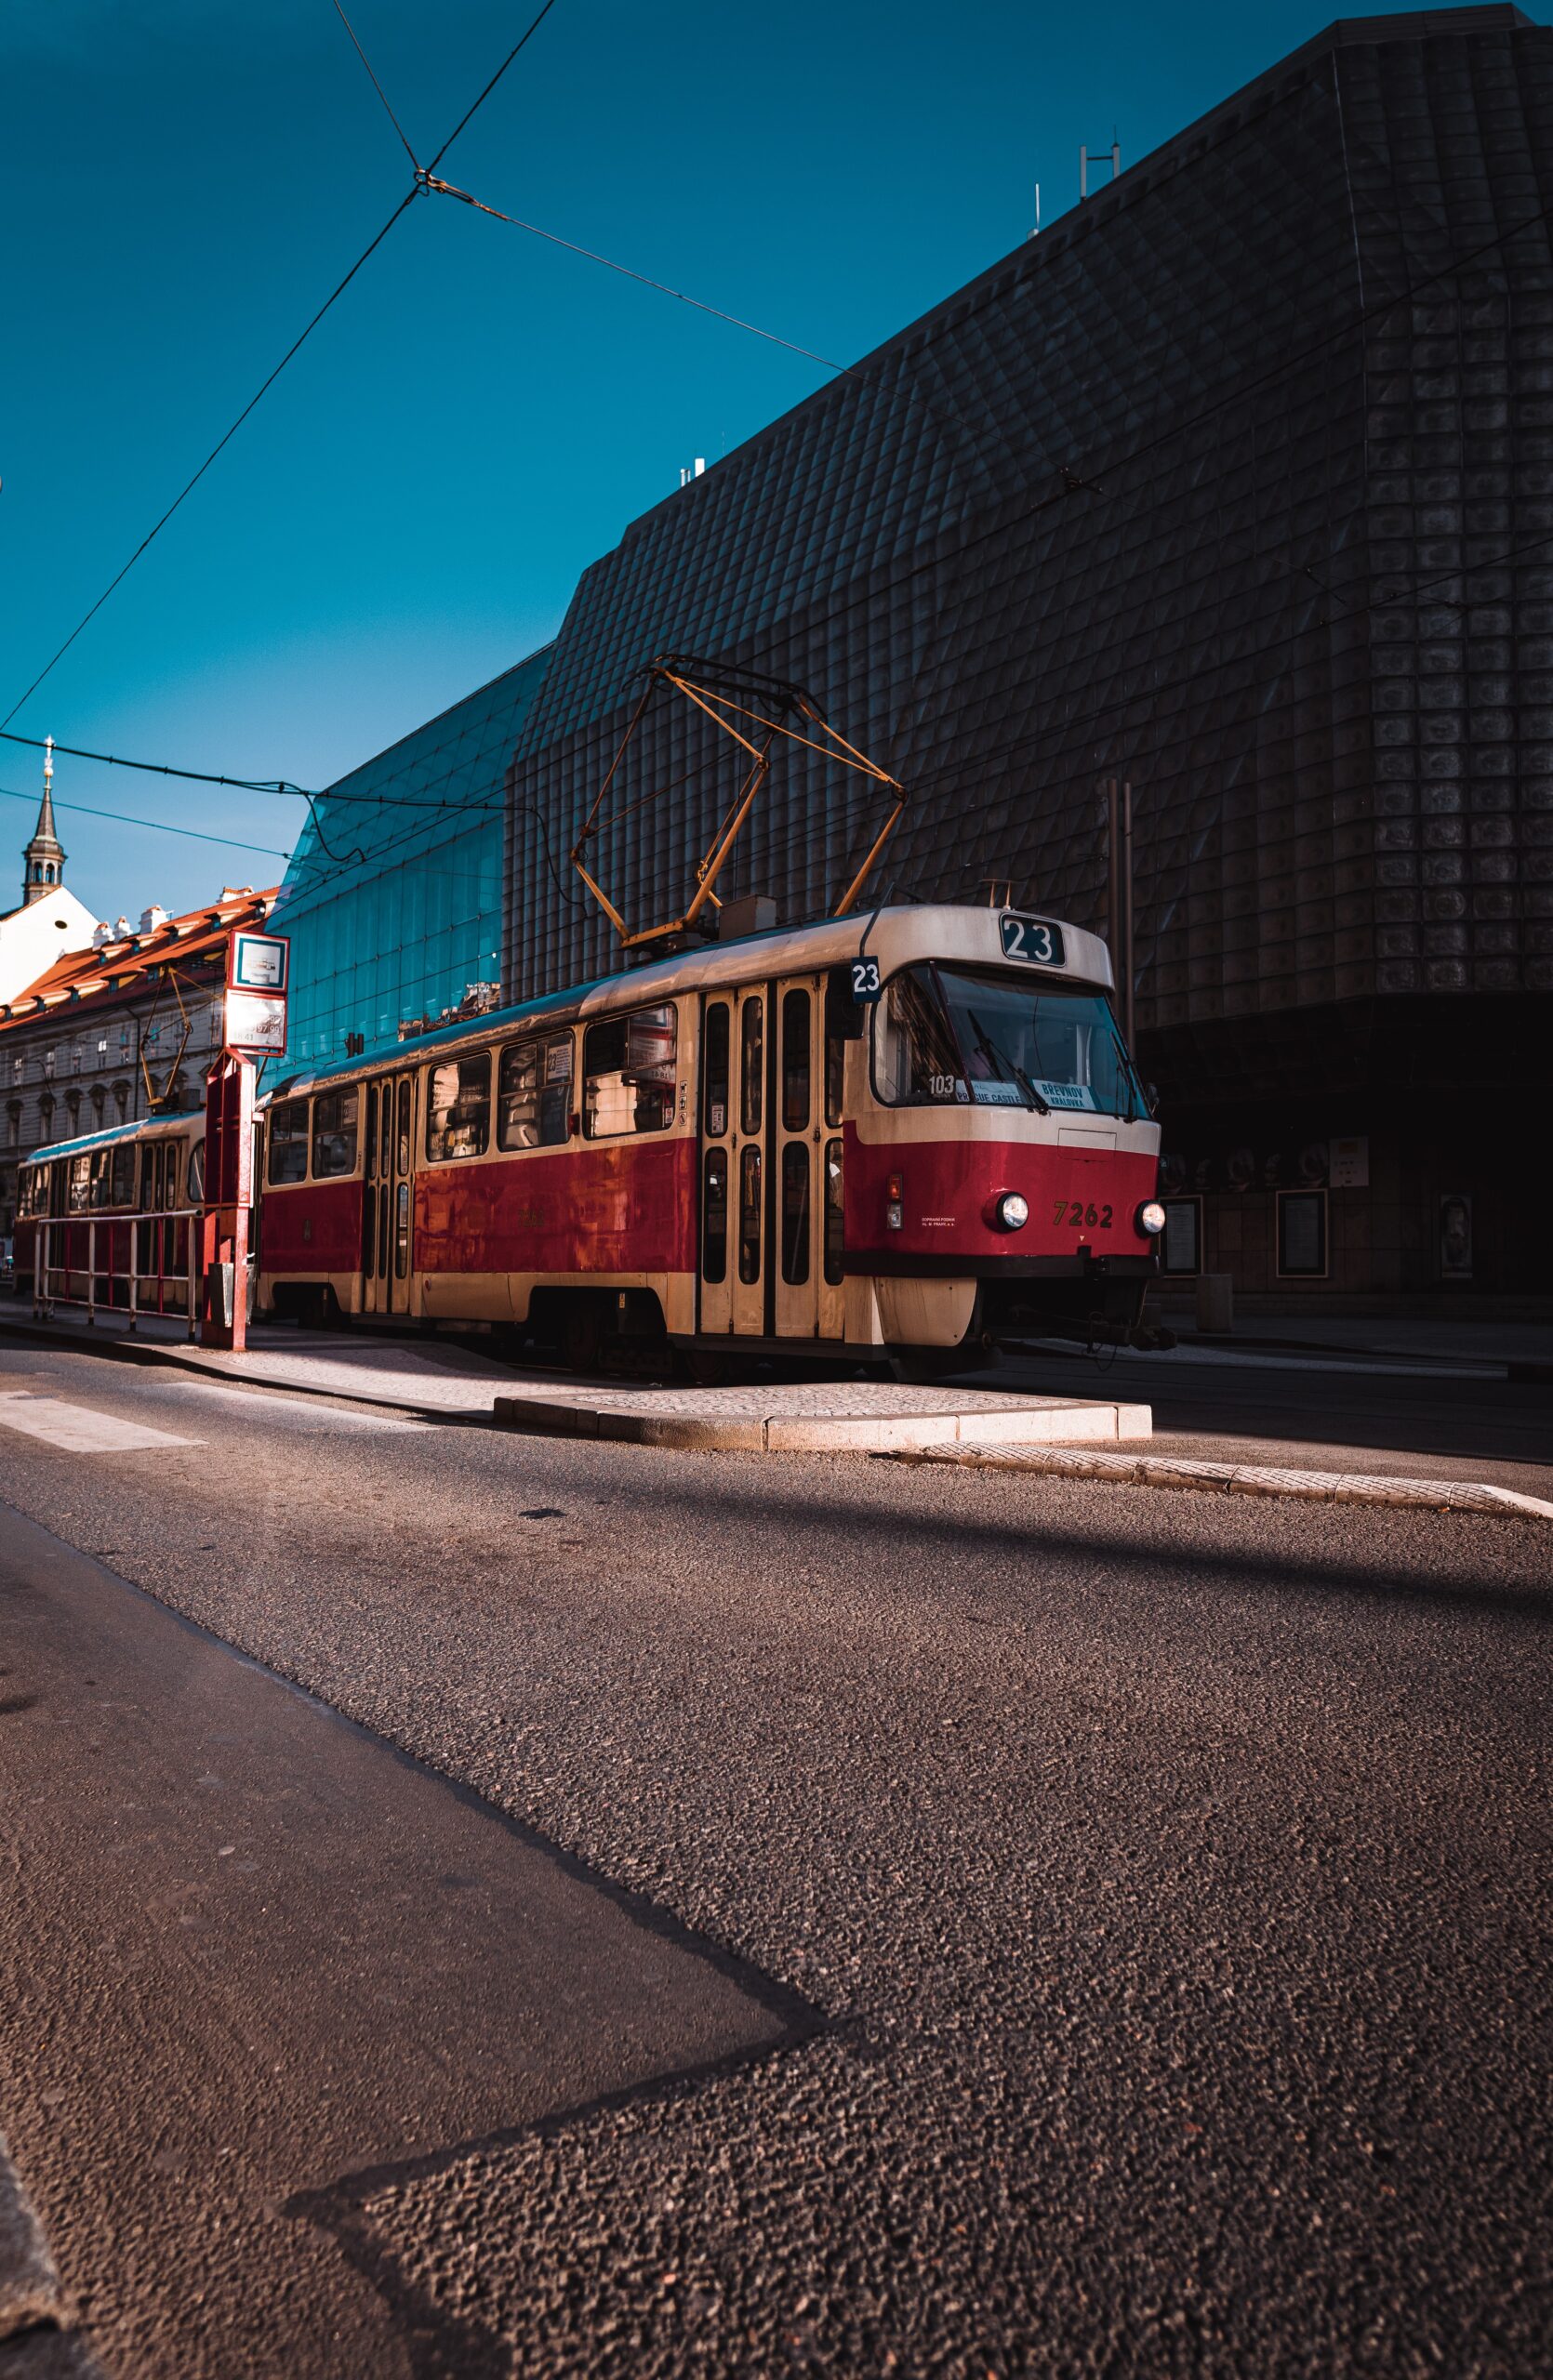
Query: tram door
(771, 1160)
(388, 1195)
(806, 1141)
(733, 1163)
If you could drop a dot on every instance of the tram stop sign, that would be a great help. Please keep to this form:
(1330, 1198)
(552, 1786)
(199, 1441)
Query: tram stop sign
(259, 968)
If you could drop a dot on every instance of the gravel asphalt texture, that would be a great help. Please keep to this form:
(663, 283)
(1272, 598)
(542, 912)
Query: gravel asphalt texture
(1172, 1875)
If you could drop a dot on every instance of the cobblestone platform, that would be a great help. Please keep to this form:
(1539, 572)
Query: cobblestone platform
(1242, 1479)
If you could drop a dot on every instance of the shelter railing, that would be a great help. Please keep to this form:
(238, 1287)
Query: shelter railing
(146, 1262)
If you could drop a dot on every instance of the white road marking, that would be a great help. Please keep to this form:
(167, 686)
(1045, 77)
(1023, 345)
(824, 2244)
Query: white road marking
(74, 1429)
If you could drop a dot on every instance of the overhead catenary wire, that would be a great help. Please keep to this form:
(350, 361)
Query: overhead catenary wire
(370, 250)
(376, 86)
(154, 826)
(224, 440)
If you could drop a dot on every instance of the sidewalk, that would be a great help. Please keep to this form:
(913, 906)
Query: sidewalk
(439, 1378)
(1500, 1346)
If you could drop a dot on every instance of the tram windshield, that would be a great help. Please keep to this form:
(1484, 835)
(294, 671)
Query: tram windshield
(947, 1034)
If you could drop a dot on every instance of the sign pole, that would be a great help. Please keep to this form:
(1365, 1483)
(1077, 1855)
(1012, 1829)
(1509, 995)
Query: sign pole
(229, 1137)
(259, 968)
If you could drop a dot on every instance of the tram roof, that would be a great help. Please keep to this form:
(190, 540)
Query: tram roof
(112, 1133)
(956, 933)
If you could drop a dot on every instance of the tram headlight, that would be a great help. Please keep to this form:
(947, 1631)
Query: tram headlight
(1152, 1218)
(1013, 1212)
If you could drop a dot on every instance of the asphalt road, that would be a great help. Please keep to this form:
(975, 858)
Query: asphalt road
(1167, 1876)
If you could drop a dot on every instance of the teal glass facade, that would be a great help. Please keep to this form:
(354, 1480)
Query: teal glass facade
(392, 899)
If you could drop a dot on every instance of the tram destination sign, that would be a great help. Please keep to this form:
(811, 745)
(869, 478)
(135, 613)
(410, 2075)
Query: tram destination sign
(1034, 940)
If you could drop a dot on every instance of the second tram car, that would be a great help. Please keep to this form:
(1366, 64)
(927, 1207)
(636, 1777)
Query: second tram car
(111, 1219)
(909, 1134)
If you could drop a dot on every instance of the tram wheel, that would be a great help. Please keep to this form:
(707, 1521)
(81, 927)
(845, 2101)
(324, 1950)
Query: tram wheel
(704, 1367)
(582, 1336)
(925, 1367)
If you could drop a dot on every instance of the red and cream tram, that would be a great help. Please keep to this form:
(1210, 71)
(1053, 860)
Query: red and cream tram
(916, 1130)
(111, 1219)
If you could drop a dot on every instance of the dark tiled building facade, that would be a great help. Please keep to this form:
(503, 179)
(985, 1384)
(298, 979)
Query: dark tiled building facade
(1238, 482)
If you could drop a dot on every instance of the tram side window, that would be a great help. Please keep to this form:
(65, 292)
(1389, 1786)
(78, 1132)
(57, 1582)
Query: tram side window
(835, 1215)
(80, 1184)
(459, 1109)
(627, 1074)
(121, 1175)
(534, 1091)
(796, 1066)
(716, 1118)
(288, 1142)
(170, 1155)
(715, 1216)
(196, 1173)
(34, 1190)
(752, 1063)
(334, 1132)
(915, 1060)
(101, 1195)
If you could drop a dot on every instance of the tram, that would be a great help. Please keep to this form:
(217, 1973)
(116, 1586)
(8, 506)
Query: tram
(110, 1219)
(911, 1134)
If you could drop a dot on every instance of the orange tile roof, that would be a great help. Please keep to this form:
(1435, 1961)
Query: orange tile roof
(88, 974)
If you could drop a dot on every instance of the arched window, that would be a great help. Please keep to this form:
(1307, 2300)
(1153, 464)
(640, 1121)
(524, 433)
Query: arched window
(121, 1100)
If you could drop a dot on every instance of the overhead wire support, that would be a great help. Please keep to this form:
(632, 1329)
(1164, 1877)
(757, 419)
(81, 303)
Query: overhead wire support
(427, 180)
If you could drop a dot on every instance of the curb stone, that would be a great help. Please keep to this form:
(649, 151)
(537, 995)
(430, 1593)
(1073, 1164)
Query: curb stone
(1240, 1479)
(36, 2342)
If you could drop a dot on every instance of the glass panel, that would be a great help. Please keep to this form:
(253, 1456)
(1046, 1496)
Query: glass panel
(750, 1215)
(121, 1187)
(334, 1132)
(517, 1109)
(795, 1068)
(459, 1108)
(403, 1127)
(80, 1184)
(714, 1215)
(1179, 1245)
(716, 1096)
(914, 1057)
(556, 1093)
(289, 1144)
(835, 1213)
(171, 1153)
(196, 1175)
(369, 1134)
(402, 1231)
(1302, 1231)
(795, 1211)
(627, 1074)
(752, 1063)
(949, 1034)
(534, 1094)
(835, 1078)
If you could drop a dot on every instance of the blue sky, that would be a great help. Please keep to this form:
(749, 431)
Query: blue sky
(480, 417)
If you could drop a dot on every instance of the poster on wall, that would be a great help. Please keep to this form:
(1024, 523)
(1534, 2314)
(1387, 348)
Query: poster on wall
(1349, 1166)
(1455, 1237)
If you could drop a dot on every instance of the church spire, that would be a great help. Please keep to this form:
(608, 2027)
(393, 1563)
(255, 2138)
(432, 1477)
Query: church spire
(44, 855)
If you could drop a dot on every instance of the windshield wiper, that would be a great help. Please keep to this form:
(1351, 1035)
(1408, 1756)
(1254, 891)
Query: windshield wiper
(987, 1047)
